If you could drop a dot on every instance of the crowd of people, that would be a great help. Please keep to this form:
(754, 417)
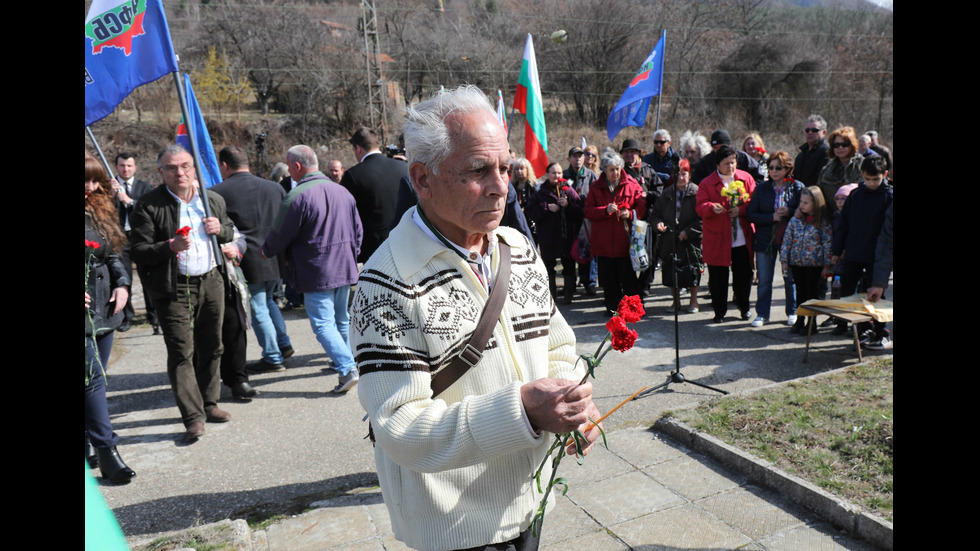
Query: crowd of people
(726, 211)
(394, 259)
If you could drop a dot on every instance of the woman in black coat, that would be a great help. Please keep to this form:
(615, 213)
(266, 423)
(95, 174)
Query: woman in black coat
(675, 215)
(556, 210)
(106, 294)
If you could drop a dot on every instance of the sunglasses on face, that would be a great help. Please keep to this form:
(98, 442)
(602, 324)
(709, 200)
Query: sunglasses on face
(841, 144)
(775, 168)
(812, 130)
(659, 142)
(589, 154)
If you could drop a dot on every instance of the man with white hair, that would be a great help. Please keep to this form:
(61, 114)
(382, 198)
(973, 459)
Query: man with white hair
(457, 446)
(663, 158)
(319, 231)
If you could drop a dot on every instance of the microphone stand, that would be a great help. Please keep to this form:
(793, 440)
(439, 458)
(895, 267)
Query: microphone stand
(676, 376)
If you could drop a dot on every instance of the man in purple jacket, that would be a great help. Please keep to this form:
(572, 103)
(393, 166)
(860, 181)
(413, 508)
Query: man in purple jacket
(318, 230)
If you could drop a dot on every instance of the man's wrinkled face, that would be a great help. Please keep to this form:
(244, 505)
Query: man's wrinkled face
(576, 161)
(177, 171)
(468, 195)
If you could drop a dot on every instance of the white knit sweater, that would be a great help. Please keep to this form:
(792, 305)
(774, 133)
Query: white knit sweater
(456, 471)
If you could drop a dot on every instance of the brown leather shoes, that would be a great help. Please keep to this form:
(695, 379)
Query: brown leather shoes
(216, 415)
(195, 430)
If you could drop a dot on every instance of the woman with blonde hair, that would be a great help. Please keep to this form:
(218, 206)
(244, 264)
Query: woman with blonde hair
(591, 161)
(106, 294)
(753, 147)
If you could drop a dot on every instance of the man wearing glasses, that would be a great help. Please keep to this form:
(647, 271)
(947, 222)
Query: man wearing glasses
(663, 158)
(184, 283)
(813, 154)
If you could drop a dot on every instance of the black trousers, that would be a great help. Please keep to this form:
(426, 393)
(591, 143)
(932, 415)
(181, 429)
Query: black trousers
(617, 279)
(235, 343)
(523, 542)
(741, 277)
(567, 274)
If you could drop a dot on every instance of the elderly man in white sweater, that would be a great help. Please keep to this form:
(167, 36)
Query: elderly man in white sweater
(456, 467)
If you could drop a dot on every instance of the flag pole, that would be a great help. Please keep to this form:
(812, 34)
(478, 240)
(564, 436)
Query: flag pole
(195, 152)
(661, 94)
(99, 151)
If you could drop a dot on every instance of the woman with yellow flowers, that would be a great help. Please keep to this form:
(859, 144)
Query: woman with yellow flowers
(727, 243)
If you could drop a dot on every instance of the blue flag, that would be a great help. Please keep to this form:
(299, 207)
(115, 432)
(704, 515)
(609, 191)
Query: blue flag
(632, 107)
(127, 44)
(209, 161)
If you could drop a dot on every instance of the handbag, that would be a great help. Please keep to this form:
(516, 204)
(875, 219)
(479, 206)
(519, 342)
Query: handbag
(581, 250)
(237, 290)
(639, 257)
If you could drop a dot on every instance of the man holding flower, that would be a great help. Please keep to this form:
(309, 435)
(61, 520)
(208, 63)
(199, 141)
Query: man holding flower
(184, 283)
(456, 467)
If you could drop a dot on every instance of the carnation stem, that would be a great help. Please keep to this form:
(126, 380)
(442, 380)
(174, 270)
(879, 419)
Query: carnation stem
(610, 412)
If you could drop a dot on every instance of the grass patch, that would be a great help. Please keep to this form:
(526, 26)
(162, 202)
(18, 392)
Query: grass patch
(836, 431)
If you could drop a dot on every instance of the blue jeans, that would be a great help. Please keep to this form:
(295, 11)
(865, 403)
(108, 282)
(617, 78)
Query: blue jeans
(98, 426)
(766, 266)
(270, 329)
(330, 321)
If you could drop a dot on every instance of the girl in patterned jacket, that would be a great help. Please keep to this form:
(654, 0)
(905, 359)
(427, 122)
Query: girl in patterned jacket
(806, 249)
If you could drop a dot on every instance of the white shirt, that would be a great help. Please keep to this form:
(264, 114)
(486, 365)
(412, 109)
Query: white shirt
(199, 259)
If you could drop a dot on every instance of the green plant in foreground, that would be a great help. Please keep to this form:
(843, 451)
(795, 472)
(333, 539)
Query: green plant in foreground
(621, 338)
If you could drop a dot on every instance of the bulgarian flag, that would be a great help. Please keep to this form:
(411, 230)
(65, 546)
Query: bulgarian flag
(527, 100)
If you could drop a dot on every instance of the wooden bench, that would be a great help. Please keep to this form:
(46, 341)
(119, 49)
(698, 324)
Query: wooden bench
(850, 316)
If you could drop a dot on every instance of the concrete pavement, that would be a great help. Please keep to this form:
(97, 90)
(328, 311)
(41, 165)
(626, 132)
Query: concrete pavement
(297, 450)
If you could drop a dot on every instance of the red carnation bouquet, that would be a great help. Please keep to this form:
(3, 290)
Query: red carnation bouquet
(618, 337)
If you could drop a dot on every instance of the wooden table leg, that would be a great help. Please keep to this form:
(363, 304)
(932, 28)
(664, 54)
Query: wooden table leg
(809, 331)
(857, 341)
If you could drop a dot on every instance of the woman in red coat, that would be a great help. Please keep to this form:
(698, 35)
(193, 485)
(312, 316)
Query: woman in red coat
(727, 241)
(613, 201)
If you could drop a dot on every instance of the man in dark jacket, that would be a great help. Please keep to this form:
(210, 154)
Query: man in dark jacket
(653, 187)
(663, 158)
(252, 205)
(185, 283)
(128, 190)
(856, 237)
(813, 154)
(374, 184)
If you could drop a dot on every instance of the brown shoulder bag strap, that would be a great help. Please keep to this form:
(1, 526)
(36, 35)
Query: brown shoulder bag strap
(473, 351)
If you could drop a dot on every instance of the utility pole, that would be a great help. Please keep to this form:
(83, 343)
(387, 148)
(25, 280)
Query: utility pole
(376, 90)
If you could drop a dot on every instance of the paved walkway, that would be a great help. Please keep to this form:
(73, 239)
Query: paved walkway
(297, 450)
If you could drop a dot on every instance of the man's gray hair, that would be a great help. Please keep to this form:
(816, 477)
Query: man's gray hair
(427, 137)
(662, 134)
(172, 149)
(821, 123)
(610, 158)
(304, 155)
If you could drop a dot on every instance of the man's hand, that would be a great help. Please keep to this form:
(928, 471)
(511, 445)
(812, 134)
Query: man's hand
(874, 293)
(230, 251)
(212, 225)
(560, 405)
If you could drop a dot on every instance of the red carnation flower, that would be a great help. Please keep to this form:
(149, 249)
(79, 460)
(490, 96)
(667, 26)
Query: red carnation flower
(183, 231)
(631, 309)
(92, 244)
(622, 337)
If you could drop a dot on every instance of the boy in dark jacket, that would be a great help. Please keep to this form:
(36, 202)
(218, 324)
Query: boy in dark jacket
(860, 223)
